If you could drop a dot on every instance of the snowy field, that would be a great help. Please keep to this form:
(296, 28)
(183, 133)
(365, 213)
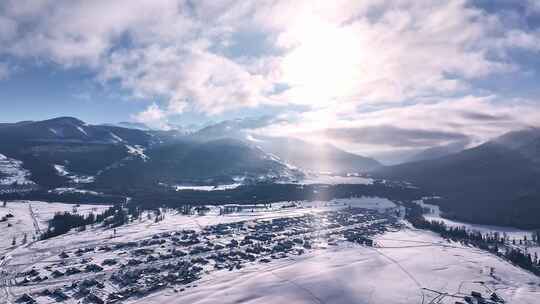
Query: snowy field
(329, 179)
(207, 188)
(404, 266)
(173, 220)
(310, 179)
(12, 172)
(515, 236)
(30, 218)
(74, 178)
(512, 233)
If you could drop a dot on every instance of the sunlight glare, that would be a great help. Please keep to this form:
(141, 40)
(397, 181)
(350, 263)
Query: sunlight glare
(322, 67)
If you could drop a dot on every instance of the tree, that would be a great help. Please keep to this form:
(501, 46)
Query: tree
(13, 242)
(536, 235)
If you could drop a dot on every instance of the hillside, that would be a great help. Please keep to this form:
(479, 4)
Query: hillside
(495, 183)
(299, 153)
(66, 152)
(187, 162)
(317, 157)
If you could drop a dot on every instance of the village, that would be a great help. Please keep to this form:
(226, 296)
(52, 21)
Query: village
(117, 271)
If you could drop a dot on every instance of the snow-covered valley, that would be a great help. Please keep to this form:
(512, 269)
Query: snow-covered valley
(356, 250)
(12, 172)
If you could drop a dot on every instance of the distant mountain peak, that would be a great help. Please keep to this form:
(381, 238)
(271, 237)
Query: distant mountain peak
(65, 120)
(133, 125)
(518, 138)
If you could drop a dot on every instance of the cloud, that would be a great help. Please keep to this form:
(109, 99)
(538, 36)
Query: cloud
(8, 29)
(153, 117)
(394, 136)
(478, 116)
(398, 67)
(324, 52)
(188, 76)
(421, 125)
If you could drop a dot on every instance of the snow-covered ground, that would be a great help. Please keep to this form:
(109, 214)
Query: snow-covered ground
(12, 172)
(137, 151)
(403, 268)
(174, 221)
(30, 217)
(208, 188)
(512, 233)
(330, 179)
(516, 238)
(310, 179)
(74, 178)
(63, 190)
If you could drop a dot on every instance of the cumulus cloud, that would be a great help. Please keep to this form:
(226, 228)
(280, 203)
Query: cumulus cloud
(189, 77)
(153, 117)
(404, 70)
(465, 119)
(394, 136)
(324, 52)
(479, 116)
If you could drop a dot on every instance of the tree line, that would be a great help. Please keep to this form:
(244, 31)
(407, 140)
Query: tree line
(492, 242)
(63, 222)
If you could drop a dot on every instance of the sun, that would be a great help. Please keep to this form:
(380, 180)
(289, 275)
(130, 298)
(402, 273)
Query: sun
(324, 66)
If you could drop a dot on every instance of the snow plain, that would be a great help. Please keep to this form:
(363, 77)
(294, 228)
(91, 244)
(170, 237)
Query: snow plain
(12, 172)
(512, 233)
(310, 179)
(406, 266)
(396, 271)
(31, 217)
(330, 179)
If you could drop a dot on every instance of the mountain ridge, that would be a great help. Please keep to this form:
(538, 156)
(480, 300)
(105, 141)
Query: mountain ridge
(502, 179)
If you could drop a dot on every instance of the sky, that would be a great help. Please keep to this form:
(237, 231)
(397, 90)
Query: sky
(375, 77)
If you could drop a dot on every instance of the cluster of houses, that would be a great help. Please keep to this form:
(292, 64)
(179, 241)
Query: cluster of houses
(115, 272)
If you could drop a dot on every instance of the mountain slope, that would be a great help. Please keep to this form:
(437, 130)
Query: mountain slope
(438, 151)
(497, 182)
(68, 152)
(70, 130)
(56, 151)
(317, 158)
(189, 162)
(297, 152)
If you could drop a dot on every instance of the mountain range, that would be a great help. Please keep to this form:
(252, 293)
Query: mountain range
(67, 152)
(497, 182)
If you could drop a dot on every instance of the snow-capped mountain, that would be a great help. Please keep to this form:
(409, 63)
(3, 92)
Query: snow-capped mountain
(308, 156)
(501, 176)
(66, 151)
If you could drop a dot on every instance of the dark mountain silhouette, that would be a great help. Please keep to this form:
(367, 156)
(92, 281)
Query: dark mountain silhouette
(297, 152)
(497, 182)
(439, 151)
(117, 156)
(317, 157)
(213, 162)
